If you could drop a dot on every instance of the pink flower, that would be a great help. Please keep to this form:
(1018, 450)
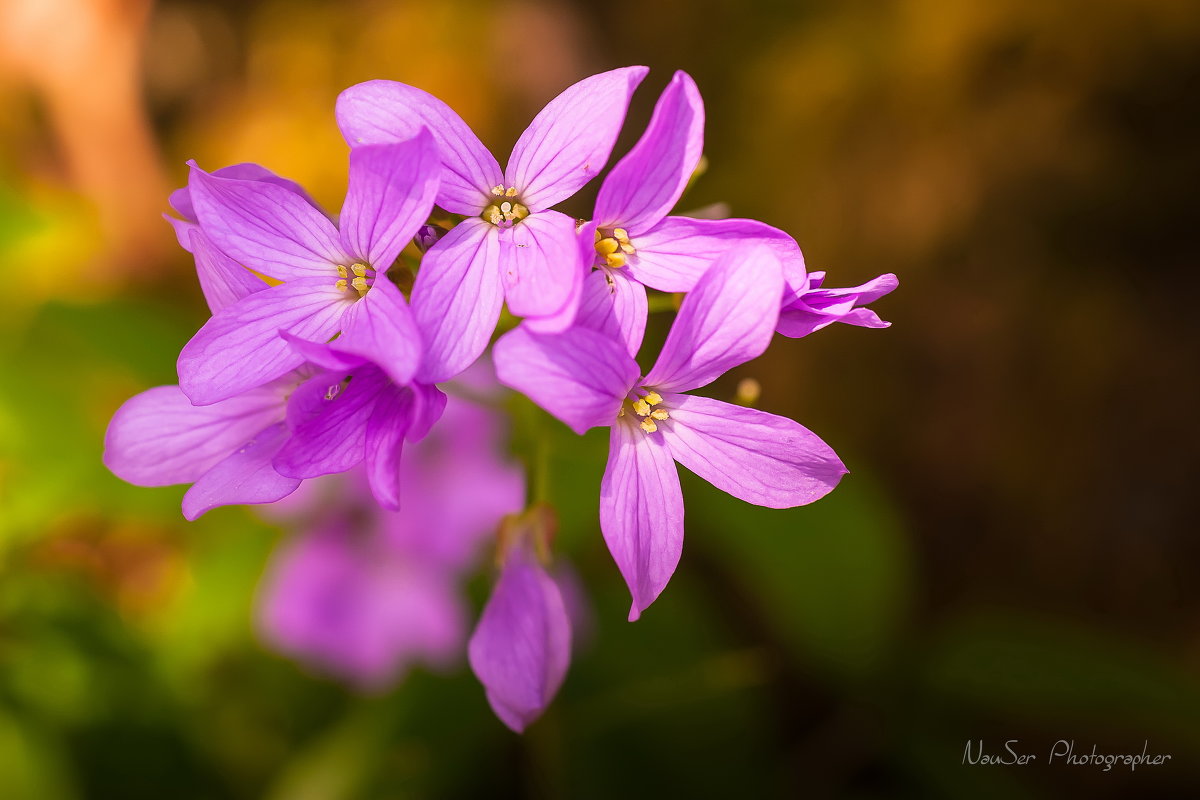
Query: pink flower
(331, 274)
(587, 379)
(511, 247)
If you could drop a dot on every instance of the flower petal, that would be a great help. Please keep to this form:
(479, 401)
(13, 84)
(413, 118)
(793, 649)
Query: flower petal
(246, 476)
(456, 299)
(615, 305)
(569, 141)
(181, 199)
(380, 328)
(266, 227)
(726, 320)
(390, 195)
(240, 347)
(223, 280)
(539, 264)
(673, 255)
(579, 376)
(755, 456)
(389, 422)
(158, 438)
(329, 435)
(645, 185)
(521, 647)
(818, 308)
(641, 512)
(430, 402)
(376, 112)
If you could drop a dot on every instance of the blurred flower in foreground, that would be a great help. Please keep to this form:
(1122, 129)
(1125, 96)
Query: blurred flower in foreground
(363, 593)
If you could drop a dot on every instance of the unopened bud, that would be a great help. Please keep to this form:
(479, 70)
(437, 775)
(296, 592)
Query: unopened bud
(427, 236)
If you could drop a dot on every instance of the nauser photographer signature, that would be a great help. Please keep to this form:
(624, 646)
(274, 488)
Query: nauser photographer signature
(976, 754)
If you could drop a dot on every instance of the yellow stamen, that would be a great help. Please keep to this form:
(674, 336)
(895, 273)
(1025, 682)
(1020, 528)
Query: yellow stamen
(598, 236)
(660, 415)
(360, 284)
(615, 260)
(621, 235)
(498, 190)
(621, 413)
(642, 408)
(359, 269)
(653, 398)
(648, 426)
(607, 246)
(342, 272)
(510, 191)
(340, 286)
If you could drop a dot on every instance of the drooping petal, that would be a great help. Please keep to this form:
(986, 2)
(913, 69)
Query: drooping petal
(429, 403)
(389, 196)
(645, 185)
(726, 320)
(380, 328)
(158, 438)
(245, 477)
(456, 299)
(331, 437)
(521, 647)
(641, 512)
(818, 308)
(758, 457)
(222, 279)
(579, 376)
(240, 347)
(376, 112)
(615, 305)
(324, 355)
(266, 227)
(569, 141)
(673, 255)
(539, 264)
(389, 422)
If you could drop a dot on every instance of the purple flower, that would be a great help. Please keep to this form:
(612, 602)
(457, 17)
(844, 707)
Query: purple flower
(632, 242)
(222, 280)
(333, 276)
(588, 379)
(354, 412)
(814, 308)
(522, 645)
(349, 604)
(511, 247)
(225, 450)
(362, 592)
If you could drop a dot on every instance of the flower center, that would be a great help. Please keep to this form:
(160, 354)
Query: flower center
(644, 408)
(613, 247)
(506, 209)
(364, 276)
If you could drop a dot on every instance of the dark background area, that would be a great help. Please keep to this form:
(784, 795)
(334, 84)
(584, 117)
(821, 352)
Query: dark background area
(1010, 557)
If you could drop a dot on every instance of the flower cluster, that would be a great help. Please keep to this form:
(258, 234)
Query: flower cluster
(333, 344)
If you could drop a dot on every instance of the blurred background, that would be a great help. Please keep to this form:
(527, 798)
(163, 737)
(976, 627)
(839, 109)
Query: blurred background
(1010, 557)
